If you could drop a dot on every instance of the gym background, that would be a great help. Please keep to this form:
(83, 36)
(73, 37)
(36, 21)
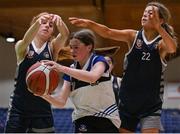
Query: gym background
(119, 14)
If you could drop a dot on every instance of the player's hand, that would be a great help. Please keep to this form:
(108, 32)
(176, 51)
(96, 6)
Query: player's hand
(52, 64)
(154, 18)
(43, 19)
(79, 22)
(56, 19)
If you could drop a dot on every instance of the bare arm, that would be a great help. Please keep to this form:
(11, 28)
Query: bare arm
(61, 38)
(87, 76)
(126, 35)
(22, 45)
(168, 44)
(60, 99)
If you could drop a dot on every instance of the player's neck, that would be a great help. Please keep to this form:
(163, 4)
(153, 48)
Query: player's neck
(39, 43)
(150, 34)
(83, 62)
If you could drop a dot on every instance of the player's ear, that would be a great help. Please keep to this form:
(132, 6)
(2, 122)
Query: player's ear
(161, 21)
(89, 47)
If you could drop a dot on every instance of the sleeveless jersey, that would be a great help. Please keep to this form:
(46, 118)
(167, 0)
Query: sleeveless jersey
(93, 99)
(116, 82)
(142, 84)
(23, 101)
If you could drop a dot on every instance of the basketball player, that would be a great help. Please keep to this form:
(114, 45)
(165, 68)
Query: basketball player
(142, 83)
(29, 113)
(88, 84)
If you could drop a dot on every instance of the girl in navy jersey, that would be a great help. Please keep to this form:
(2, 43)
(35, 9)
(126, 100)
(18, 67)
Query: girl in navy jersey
(29, 113)
(141, 90)
(87, 83)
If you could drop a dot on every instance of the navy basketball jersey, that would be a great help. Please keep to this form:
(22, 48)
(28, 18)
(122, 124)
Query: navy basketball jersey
(142, 83)
(23, 100)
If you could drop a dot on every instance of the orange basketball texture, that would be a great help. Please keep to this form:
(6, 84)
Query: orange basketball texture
(40, 79)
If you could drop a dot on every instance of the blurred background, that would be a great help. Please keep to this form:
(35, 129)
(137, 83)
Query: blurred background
(16, 15)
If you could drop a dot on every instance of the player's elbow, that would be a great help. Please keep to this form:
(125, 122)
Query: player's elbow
(93, 79)
(107, 33)
(173, 49)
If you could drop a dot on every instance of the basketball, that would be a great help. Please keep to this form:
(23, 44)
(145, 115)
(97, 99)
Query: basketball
(40, 79)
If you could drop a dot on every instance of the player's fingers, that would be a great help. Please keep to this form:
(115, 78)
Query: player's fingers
(155, 13)
(153, 10)
(58, 20)
(47, 62)
(43, 61)
(54, 18)
(73, 18)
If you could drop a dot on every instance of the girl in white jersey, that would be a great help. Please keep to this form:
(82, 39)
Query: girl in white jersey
(148, 48)
(87, 83)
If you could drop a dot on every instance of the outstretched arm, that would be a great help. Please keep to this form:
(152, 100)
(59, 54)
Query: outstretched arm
(22, 45)
(126, 35)
(83, 75)
(61, 38)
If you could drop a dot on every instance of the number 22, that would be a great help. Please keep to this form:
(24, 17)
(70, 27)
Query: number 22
(146, 56)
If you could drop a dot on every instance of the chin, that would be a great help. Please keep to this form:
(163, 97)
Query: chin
(143, 23)
(74, 57)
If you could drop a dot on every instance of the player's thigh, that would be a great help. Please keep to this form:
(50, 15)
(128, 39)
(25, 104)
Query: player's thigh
(16, 124)
(151, 124)
(128, 124)
(150, 130)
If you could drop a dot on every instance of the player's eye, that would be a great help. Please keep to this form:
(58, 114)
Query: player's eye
(50, 24)
(44, 22)
(150, 12)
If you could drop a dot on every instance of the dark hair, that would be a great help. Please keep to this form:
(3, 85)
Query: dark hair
(85, 36)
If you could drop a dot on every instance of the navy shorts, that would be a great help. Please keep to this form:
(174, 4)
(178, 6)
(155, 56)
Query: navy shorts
(92, 124)
(20, 124)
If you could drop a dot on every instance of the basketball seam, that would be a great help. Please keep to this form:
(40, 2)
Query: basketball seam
(47, 80)
(42, 68)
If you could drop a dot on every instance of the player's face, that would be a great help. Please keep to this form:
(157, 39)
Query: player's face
(148, 12)
(79, 50)
(46, 29)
